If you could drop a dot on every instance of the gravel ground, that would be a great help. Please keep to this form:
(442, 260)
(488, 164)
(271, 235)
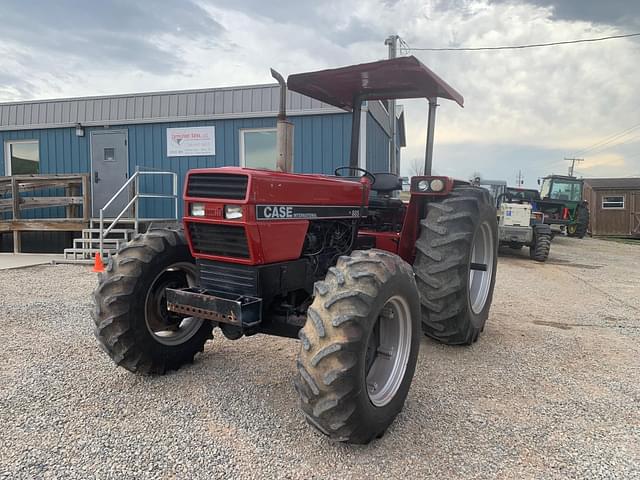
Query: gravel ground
(551, 390)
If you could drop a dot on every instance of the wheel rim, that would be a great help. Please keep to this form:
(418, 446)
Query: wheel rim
(165, 327)
(388, 351)
(481, 268)
(571, 229)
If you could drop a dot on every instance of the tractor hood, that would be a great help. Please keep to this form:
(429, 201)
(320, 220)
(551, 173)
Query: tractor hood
(249, 216)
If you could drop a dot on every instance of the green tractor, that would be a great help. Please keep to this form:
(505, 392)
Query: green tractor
(562, 204)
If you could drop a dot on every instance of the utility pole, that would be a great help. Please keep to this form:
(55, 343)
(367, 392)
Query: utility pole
(573, 164)
(392, 42)
(519, 179)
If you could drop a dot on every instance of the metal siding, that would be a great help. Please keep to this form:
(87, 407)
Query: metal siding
(227, 102)
(173, 105)
(20, 114)
(66, 107)
(154, 107)
(320, 145)
(209, 104)
(147, 107)
(29, 113)
(274, 100)
(236, 101)
(246, 100)
(191, 104)
(200, 103)
(256, 100)
(380, 114)
(377, 146)
(164, 106)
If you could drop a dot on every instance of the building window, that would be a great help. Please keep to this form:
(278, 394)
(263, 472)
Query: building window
(613, 202)
(109, 154)
(258, 148)
(23, 157)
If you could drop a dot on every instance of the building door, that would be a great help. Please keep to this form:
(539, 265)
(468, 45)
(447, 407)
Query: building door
(635, 215)
(110, 170)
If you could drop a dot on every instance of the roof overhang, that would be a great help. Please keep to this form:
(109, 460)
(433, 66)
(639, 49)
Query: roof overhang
(398, 78)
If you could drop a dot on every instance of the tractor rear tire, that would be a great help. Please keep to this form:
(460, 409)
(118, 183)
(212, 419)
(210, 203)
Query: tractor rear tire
(539, 251)
(132, 323)
(583, 221)
(458, 231)
(359, 346)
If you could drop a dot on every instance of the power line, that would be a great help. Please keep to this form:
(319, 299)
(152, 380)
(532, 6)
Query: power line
(607, 140)
(633, 138)
(517, 47)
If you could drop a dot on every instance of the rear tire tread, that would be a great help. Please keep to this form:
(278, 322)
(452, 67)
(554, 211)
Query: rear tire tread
(441, 264)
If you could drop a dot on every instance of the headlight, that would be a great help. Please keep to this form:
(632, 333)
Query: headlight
(232, 212)
(197, 209)
(437, 185)
(423, 185)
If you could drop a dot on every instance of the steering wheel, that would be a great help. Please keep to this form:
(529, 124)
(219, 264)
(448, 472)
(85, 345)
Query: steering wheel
(365, 173)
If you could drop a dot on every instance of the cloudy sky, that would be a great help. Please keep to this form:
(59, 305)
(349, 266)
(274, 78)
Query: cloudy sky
(524, 109)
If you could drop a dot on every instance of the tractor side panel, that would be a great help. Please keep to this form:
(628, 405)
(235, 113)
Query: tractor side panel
(280, 241)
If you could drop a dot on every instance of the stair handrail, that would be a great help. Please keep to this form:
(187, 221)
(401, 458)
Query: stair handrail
(135, 200)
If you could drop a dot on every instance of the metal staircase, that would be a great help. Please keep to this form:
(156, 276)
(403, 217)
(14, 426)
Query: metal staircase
(107, 235)
(85, 247)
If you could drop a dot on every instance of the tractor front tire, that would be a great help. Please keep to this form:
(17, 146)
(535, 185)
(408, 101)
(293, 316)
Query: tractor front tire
(539, 251)
(132, 323)
(359, 346)
(458, 239)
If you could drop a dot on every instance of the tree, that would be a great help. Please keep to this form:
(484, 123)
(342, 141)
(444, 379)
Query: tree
(416, 167)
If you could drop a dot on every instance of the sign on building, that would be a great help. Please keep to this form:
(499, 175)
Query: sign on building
(191, 141)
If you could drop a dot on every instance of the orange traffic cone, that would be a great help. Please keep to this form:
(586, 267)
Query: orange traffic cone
(98, 266)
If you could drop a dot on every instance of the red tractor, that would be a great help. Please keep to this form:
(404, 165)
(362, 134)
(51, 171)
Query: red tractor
(337, 261)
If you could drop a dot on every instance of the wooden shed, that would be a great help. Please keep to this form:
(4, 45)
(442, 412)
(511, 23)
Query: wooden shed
(614, 204)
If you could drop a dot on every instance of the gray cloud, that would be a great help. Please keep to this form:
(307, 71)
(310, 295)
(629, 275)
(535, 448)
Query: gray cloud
(624, 13)
(523, 109)
(115, 32)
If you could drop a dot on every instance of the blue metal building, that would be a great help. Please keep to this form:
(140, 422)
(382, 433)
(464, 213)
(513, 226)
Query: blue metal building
(112, 136)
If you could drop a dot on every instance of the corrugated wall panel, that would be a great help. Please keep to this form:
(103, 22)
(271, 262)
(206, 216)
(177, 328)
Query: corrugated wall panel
(159, 107)
(321, 143)
(236, 98)
(377, 146)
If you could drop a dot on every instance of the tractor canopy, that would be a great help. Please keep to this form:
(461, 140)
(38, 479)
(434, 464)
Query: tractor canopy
(398, 78)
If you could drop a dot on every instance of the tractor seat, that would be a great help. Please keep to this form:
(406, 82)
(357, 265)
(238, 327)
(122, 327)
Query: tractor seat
(386, 183)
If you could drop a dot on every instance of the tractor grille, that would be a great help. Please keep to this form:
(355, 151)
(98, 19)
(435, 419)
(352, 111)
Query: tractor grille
(221, 240)
(228, 278)
(217, 185)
